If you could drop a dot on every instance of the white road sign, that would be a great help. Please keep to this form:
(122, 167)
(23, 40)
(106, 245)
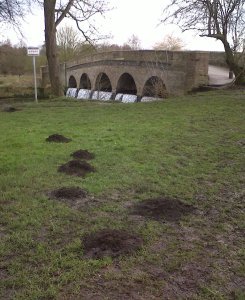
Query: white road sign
(33, 51)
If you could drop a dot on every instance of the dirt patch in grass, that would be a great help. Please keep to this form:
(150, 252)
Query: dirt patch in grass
(2, 232)
(241, 142)
(162, 209)
(9, 108)
(75, 197)
(69, 193)
(111, 243)
(185, 282)
(58, 138)
(76, 168)
(82, 154)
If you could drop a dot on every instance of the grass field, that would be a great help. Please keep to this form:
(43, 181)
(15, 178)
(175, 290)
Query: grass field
(189, 149)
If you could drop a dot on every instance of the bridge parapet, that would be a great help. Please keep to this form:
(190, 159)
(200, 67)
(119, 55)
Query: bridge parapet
(173, 58)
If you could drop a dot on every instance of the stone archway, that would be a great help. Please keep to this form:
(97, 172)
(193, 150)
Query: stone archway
(85, 82)
(103, 83)
(126, 84)
(154, 87)
(72, 82)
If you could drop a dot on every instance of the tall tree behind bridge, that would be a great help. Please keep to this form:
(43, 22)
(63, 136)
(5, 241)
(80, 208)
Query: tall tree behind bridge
(68, 41)
(223, 20)
(171, 43)
(71, 45)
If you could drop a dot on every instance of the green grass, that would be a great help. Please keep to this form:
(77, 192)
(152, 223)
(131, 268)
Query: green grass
(184, 147)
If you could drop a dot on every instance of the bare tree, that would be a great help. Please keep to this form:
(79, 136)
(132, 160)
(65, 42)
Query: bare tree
(133, 43)
(68, 41)
(81, 12)
(55, 11)
(11, 11)
(171, 43)
(223, 20)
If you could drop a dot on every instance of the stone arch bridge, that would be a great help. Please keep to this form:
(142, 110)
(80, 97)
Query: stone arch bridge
(142, 73)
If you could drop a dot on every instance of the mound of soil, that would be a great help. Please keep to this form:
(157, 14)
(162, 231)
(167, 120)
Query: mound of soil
(111, 243)
(57, 138)
(241, 142)
(73, 196)
(72, 193)
(82, 154)
(76, 167)
(9, 109)
(162, 209)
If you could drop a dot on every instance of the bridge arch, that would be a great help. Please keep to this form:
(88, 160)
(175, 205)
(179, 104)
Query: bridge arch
(85, 82)
(126, 84)
(154, 87)
(103, 83)
(72, 82)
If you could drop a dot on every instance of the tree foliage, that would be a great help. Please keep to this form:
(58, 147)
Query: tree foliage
(223, 20)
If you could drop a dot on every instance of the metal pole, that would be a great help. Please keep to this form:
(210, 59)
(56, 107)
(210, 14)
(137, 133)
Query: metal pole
(35, 78)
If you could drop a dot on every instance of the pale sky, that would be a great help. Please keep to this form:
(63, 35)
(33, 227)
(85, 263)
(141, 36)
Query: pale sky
(128, 17)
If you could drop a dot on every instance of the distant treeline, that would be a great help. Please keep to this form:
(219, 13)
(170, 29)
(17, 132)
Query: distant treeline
(14, 59)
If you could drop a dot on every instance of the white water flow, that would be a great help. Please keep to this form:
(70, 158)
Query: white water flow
(71, 92)
(100, 95)
(119, 97)
(150, 99)
(129, 98)
(84, 94)
(106, 96)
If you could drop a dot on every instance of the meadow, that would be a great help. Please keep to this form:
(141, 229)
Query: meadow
(17, 86)
(186, 151)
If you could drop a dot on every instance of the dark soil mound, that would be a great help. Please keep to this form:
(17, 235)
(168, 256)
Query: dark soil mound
(75, 197)
(241, 142)
(111, 243)
(68, 193)
(57, 138)
(82, 154)
(163, 209)
(76, 167)
(9, 109)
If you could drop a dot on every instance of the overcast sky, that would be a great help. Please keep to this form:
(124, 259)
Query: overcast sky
(128, 17)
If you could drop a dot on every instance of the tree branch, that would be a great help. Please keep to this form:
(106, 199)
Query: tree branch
(64, 12)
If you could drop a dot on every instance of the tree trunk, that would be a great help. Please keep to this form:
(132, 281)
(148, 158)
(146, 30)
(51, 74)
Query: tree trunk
(51, 47)
(233, 64)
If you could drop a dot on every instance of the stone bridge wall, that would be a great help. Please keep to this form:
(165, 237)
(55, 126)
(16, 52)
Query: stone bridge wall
(181, 71)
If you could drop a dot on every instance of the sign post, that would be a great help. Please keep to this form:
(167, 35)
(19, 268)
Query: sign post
(34, 51)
